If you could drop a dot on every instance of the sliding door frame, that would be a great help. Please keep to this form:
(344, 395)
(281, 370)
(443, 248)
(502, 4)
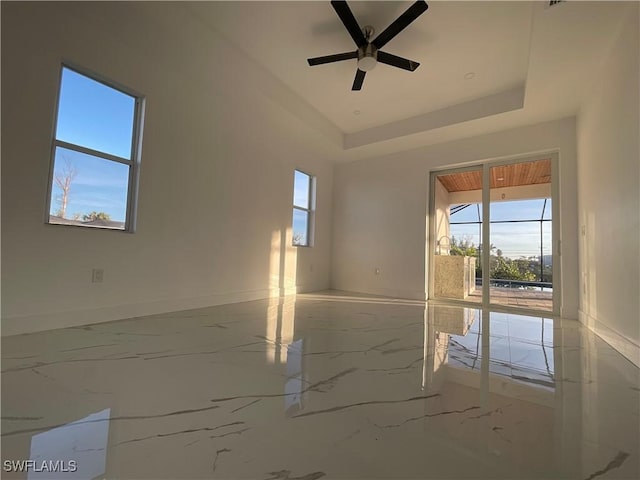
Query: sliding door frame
(485, 167)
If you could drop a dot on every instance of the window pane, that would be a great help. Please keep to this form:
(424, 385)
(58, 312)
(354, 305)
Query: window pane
(516, 240)
(462, 213)
(517, 210)
(468, 235)
(88, 190)
(547, 210)
(547, 253)
(301, 189)
(300, 227)
(93, 115)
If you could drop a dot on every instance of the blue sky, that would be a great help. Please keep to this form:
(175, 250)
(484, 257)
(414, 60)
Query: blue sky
(95, 116)
(301, 198)
(99, 185)
(101, 118)
(514, 239)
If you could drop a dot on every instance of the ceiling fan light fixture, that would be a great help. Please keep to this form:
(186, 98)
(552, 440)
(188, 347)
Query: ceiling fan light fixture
(367, 57)
(367, 63)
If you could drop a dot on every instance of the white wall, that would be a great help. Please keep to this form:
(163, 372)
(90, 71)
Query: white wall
(609, 199)
(442, 213)
(504, 194)
(216, 178)
(380, 209)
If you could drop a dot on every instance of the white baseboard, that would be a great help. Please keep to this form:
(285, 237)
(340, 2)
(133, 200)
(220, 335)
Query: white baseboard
(628, 348)
(55, 320)
(310, 287)
(385, 292)
(405, 294)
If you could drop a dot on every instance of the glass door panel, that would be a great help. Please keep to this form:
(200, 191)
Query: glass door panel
(457, 234)
(520, 254)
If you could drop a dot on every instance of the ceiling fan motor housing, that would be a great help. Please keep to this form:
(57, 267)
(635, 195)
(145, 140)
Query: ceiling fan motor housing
(367, 57)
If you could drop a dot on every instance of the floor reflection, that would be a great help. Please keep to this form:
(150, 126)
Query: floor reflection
(281, 314)
(76, 450)
(520, 347)
(504, 365)
(294, 387)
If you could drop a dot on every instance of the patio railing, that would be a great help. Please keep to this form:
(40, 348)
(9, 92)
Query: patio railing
(499, 282)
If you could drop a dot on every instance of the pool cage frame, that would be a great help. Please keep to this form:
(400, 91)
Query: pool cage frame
(459, 207)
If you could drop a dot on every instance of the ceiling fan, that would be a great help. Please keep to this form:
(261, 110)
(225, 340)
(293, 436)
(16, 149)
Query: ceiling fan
(368, 52)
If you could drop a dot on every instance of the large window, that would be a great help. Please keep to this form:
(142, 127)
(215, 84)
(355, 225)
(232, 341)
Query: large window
(96, 153)
(303, 209)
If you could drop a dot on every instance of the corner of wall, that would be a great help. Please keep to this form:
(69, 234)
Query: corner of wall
(626, 347)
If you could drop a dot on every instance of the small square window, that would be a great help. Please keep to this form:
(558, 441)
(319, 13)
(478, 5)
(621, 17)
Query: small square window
(96, 153)
(303, 209)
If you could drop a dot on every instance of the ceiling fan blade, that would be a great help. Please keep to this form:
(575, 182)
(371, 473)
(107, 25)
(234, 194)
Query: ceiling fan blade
(413, 12)
(357, 82)
(349, 21)
(332, 58)
(399, 62)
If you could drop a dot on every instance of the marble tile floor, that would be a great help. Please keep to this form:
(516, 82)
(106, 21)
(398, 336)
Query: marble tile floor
(326, 385)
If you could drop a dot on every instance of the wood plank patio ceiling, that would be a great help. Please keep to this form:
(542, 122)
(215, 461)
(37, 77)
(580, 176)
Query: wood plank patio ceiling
(512, 175)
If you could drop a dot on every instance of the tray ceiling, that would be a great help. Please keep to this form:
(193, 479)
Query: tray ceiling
(485, 66)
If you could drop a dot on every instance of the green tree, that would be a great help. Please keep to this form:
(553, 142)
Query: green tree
(508, 269)
(501, 267)
(96, 216)
(463, 247)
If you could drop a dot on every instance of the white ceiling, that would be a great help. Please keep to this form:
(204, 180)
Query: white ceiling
(543, 55)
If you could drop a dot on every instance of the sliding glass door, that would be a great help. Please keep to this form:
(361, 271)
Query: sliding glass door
(502, 254)
(520, 259)
(457, 212)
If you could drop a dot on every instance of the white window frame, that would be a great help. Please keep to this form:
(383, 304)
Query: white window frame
(310, 211)
(136, 148)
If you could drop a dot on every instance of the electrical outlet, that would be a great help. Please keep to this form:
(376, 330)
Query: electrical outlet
(97, 275)
(377, 270)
